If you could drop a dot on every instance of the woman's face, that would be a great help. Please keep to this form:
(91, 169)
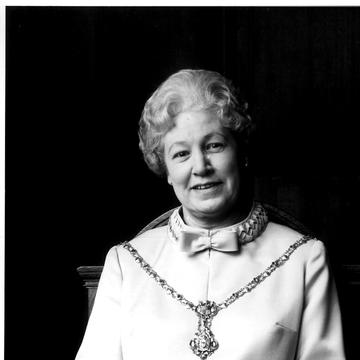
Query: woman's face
(201, 161)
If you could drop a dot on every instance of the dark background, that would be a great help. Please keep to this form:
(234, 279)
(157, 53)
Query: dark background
(76, 184)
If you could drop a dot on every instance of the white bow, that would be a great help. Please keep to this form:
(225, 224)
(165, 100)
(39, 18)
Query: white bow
(195, 241)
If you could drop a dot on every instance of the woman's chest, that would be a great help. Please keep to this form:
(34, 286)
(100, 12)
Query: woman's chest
(263, 322)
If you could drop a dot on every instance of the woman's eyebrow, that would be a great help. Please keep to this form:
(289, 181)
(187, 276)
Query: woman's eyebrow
(205, 138)
(210, 135)
(177, 143)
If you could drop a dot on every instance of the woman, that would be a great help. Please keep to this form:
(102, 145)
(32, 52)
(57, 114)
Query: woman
(219, 280)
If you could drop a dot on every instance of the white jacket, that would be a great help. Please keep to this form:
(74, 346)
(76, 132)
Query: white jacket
(293, 314)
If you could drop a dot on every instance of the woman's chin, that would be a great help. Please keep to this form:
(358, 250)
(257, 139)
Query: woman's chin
(211, 209)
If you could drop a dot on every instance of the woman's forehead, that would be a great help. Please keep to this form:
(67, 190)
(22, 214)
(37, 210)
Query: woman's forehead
(196, 120)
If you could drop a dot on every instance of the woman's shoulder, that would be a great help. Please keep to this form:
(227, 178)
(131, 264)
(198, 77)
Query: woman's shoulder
(150, 238)
(284, 233)
(277, 238)
(147, 243)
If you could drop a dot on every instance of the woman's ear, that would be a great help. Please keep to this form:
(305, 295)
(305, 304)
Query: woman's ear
(168, 180)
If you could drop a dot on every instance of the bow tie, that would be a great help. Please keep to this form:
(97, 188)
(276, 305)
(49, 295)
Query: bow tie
(195, 241)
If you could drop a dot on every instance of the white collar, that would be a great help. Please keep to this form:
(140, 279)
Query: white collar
(248, 229)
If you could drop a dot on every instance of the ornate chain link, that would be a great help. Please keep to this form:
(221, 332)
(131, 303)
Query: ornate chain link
(233, 297)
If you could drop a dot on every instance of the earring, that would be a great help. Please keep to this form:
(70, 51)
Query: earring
(246, 162)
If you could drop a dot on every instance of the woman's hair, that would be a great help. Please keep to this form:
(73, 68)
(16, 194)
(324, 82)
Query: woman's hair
(189, 90)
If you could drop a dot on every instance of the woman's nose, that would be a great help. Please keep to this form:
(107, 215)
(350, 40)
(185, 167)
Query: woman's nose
(201, 164)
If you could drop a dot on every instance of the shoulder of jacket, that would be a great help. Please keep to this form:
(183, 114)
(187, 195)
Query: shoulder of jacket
(277, 238)
(151, 235)
(149, 241)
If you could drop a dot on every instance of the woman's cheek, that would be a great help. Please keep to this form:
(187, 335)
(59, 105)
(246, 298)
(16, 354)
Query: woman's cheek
(181, 174)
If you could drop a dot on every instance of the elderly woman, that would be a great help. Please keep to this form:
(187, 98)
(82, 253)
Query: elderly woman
(219, 279)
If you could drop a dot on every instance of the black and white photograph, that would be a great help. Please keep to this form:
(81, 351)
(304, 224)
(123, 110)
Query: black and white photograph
(182, 182)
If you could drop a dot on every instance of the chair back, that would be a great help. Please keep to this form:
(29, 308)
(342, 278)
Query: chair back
(274, 215)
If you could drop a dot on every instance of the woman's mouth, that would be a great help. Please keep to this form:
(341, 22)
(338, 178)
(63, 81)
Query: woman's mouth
(205, 186)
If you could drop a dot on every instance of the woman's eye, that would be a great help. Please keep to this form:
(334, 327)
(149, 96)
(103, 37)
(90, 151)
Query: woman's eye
(216, 146)
(180, 154)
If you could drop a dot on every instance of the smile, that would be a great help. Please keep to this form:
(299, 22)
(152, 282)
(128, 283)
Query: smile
(205, 186)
